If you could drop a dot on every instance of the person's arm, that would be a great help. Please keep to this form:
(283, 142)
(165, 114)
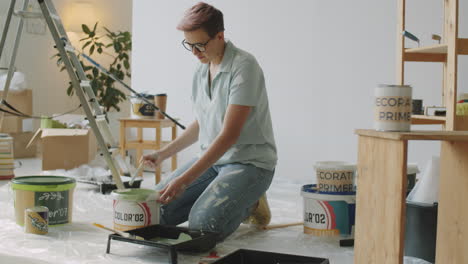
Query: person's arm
(234, 120)
(188, 137)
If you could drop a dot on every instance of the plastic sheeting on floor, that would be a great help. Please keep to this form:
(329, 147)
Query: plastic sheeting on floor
(80, 242)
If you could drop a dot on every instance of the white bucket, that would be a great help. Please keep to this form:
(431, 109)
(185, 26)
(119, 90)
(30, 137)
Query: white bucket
(141, 109)
(328, 214)
(335, 176)
(393, 106)
(135, 208)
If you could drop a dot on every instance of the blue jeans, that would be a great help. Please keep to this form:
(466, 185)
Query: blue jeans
(219, 200)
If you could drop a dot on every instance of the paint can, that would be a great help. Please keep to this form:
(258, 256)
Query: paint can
(135, 208)
(335, 176)
(393, 106)
(7, 162)
(36, 220)
(53, 192)
(328, 214)
(140, 109)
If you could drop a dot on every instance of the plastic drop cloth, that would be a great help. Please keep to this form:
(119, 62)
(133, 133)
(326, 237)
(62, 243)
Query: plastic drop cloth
(80, 242)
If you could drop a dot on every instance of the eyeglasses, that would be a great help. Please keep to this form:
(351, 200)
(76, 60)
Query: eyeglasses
(201, 47)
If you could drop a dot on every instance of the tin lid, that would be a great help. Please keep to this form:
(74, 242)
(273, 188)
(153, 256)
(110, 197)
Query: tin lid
(393, 86)
(43, 183)
(135, 194)
(334, 165)
(37, 209)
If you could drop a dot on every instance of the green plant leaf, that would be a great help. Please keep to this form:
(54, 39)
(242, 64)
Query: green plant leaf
(91, 50)
(86, 44)
(99, 50)
(126, 64)
(85, 29)
(95, 72)
(95, 26)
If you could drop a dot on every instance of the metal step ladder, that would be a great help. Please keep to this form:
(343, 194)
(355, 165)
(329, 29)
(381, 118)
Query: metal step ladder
(81, 85)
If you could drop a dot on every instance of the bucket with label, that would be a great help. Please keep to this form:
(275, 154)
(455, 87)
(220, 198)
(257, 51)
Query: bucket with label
(328, 214)
(141, 109)
(53, 192)
(335, 176)
(393, 106)
(135, 208)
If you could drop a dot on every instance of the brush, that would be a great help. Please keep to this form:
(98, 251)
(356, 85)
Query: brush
(138, 171)
(120, 233)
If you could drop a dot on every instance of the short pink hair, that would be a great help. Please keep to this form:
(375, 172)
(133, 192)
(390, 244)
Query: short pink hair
(204, 16)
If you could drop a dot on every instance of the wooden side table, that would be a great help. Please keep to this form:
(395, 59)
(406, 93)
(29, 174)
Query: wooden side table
(139, 144)
(381, 196)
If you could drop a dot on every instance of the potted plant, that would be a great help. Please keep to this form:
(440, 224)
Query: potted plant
(117, 45)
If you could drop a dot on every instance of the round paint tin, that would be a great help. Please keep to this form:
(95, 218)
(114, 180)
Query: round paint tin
(36, 220)
(141, 109)
(329, 214)
(393, 106)
(53, 192)
(135, 208)
(335, 176)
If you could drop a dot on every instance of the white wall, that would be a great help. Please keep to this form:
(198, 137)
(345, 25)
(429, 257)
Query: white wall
(43, 76)
(322, 60)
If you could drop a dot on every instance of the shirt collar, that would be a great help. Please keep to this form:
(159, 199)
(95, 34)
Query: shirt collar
(226, 63)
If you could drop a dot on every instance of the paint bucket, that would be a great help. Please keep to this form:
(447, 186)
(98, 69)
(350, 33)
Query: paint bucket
(53, 192)
(7, 163)
(335, 176)
(328, 214)
(393, 106)
(36, 220)
(135, 208)
(141, 109)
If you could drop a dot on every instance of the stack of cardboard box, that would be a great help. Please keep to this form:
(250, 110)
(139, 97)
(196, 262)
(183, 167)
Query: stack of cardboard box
(19, 128)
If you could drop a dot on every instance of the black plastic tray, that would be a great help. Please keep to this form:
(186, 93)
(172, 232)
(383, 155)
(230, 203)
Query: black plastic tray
(108, 186)
(201, 241)
(246, 256)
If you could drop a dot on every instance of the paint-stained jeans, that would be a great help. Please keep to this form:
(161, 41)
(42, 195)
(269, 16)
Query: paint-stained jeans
(219, 200)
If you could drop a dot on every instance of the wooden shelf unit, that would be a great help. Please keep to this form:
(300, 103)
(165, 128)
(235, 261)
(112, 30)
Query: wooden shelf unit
(382, 162)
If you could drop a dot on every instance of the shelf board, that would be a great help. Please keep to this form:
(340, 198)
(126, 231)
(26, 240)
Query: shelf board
(416, 135)
(427, 120)
(433, 49)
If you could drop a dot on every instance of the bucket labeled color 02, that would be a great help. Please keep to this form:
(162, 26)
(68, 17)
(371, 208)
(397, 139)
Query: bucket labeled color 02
(393, 106)
(135, 208)
(53, 192)
(328, 214)
(141, 109)
(335, 176)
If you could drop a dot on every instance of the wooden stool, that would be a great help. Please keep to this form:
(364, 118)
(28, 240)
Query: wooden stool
(139, 144)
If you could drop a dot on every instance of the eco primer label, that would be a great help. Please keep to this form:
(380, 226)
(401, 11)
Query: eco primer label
(57, 202)
(335, 180)
(393, 109)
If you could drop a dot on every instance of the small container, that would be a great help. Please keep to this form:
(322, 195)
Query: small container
(417, 107)
(160, 100)
(36, 220)
(141, 109)
(393, 106)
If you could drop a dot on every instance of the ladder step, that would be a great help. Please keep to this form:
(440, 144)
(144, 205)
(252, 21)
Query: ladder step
(28, 14)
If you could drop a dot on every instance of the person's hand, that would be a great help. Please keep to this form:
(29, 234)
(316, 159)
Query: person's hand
(172, 190)
(154, 159)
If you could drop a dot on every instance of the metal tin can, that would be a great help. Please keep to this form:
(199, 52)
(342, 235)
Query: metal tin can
(36, 220)
(393, 107)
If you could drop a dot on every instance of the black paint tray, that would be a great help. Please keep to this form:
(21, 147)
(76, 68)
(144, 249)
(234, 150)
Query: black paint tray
(201, 241)
(108, 186)
(245, 256)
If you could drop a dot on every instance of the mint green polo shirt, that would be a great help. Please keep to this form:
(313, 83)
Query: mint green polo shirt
(239, 81)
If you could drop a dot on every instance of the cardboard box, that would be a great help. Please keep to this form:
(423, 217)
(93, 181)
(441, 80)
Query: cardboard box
(21, 100)
(16, 124)
(65, 148)
(20, 141)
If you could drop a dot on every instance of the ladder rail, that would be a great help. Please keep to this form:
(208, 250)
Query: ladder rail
(7, 26)
(61, 43)
(11, 66)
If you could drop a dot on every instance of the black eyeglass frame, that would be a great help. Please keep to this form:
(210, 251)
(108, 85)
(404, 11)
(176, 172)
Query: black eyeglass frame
(201, 47)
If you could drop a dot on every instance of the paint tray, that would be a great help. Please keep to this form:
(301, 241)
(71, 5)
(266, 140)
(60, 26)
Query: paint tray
(106, 186)
(165, 237)
(245, 256)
